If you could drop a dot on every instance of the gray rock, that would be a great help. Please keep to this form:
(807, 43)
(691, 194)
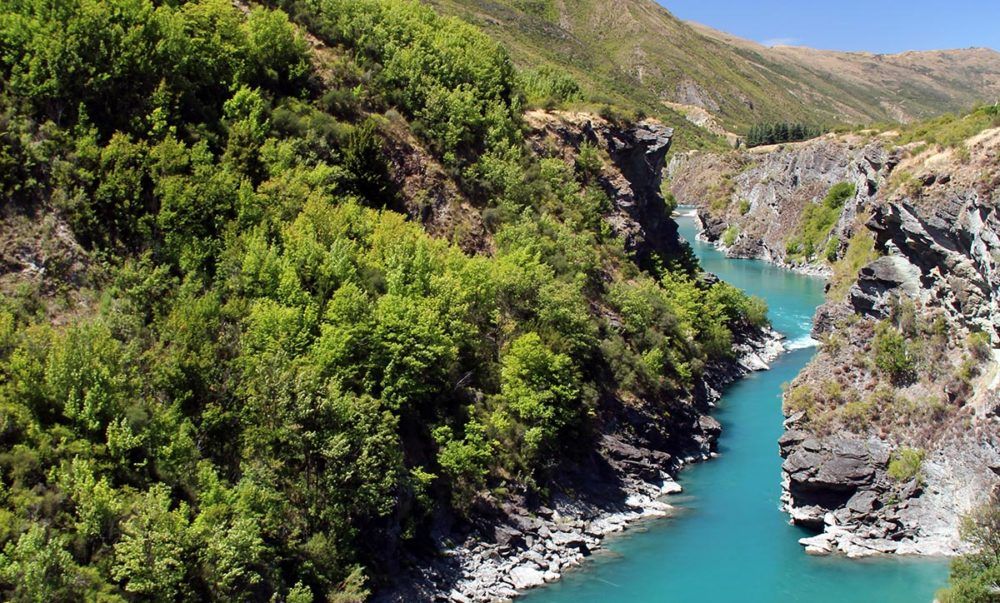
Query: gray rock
(863, 503)
(526, 576)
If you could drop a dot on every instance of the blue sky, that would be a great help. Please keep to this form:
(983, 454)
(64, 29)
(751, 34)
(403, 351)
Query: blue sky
(874, 25)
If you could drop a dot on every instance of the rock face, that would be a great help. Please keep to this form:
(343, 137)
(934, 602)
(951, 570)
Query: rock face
(940, 247)
(946, 250)
(762, 193)
(632, 182)
(839, 485)
(932, 213)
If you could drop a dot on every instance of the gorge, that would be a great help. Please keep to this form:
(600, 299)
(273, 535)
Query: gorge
(733, 501)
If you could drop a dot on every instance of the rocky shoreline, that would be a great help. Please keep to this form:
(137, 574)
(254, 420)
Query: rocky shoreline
(816, 270)
(937, 240)
(535, 545)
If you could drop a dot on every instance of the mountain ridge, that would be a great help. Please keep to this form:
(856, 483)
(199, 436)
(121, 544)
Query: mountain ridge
(638, 48)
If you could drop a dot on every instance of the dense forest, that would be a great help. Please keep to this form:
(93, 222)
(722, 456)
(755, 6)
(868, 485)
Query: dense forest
(261, 380)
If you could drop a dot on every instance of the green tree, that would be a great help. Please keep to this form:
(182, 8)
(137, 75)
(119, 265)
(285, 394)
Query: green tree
(153, 555)
(38, 568)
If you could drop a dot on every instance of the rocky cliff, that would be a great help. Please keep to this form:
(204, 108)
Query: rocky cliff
(918, 456)
(893, 430)
(759, 196)
(631, 173)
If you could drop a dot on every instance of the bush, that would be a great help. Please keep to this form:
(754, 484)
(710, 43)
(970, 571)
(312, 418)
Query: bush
(548, 87)
(975, 576)
(893, 356)
(860, 252)
(730, 235)
(905, 464)
(980, 346)
(800, 398)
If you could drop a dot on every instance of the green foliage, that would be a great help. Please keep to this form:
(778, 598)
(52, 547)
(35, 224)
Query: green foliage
(744, 207)
(365, 160)
(541, 393)
(466, 461)
(905, 464)
(39, 567)
(548, 87)
(800, 398)
(818, 219)
(730, 235)
(975, 576)
(951, 130)
(860, 252)
(452, 79)
(150, 558)
(779, 132)
(892, 354)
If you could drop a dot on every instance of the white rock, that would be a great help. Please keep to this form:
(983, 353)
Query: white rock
(525, 577)
(458, 597)
(821, 544)
(671, 487)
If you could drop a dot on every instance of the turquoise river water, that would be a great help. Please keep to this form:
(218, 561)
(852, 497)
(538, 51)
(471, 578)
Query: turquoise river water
(729, 541)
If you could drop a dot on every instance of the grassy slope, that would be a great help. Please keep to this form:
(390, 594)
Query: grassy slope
(634, 53)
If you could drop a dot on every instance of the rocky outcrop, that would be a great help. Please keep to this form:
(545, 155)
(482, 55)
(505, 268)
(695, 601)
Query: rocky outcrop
(936, 281)
(840, 486)
(631, 177)
(942, 250)
(761, 194)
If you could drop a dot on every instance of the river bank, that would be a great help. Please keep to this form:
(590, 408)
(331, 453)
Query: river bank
(727, 538)
(533, 546)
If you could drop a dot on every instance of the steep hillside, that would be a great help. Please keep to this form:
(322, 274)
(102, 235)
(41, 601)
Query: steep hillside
(893, 430)
(291, 306)
(636, 51)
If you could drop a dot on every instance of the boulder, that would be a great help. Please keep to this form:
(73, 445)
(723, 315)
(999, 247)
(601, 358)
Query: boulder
(508, 537)
(524, 577)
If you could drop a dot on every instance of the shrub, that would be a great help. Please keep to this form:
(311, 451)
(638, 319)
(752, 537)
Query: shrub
(893, 356)
(548, 87)
(800, 398)
(857, 414)
(980, 346)
(730, 235)
(744, 207)
(905, 464)
(860, 252)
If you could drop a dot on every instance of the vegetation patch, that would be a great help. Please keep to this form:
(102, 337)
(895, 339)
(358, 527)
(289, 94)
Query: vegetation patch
(893, 355)
(905, 464)
(860, 252)
(818, 220)
(779, 132)
(730, 235)
(952, 130)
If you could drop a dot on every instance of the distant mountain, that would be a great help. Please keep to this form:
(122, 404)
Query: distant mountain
(635, 52)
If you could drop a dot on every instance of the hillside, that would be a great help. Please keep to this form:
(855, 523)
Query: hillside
(291, 305)
(636, 52)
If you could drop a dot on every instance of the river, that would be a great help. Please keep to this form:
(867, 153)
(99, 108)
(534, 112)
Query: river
(729, 542)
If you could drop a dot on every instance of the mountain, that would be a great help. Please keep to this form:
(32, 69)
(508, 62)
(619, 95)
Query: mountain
(637, 52)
